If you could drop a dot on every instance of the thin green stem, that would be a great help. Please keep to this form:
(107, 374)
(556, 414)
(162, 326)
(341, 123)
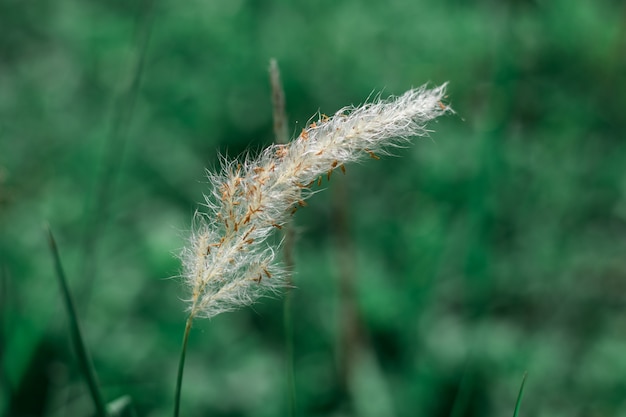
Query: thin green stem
(288, 325)
(84, 359)
(289, 234)
(181, 366)
(282, 136)
(113, 155)
(278, 104)
(518, 403)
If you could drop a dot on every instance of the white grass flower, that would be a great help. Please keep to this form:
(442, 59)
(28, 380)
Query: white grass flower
(229, 261)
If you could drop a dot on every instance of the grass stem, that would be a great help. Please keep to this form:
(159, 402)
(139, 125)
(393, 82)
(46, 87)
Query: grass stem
(288, 326)
(282, 136)
(181, 366)
(518, 403)
(84, 360)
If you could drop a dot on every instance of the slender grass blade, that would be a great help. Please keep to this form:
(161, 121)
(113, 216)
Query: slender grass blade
(84, 360)
(519, 395)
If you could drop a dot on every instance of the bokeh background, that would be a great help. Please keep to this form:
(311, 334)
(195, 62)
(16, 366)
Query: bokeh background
(426, 283)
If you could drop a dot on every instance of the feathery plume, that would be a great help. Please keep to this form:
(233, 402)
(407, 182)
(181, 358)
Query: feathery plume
(229, 262)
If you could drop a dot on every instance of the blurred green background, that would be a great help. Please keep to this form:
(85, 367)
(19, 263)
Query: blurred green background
(427, 284)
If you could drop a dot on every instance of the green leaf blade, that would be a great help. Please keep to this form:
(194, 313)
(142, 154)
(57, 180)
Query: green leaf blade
(84, 359)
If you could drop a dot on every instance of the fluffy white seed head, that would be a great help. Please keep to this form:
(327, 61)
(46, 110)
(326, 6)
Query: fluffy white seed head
(229, 262)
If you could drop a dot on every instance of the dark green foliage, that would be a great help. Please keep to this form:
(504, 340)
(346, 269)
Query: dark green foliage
(494, 248)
